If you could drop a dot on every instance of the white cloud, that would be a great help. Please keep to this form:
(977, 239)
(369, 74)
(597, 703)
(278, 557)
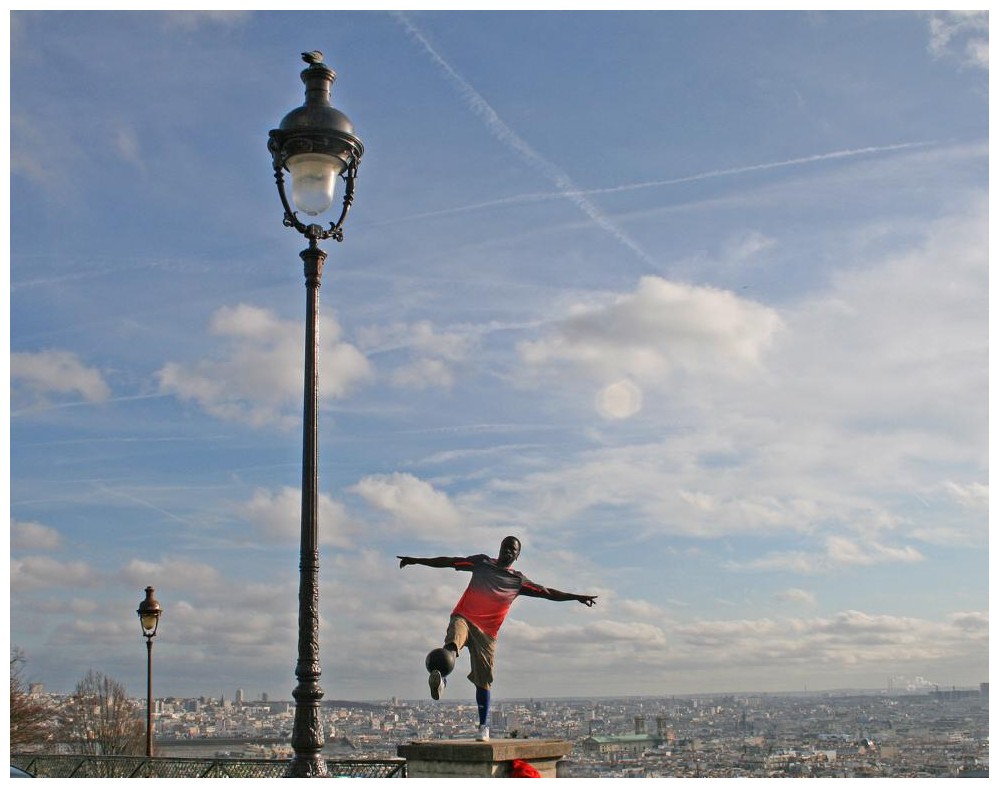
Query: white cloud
(846, 552)
(204, 608)
(874, 393)
(661, 329)
(277, 517)
(852, 639)
(970, 496)
(259, 379)
(35, 572)
(58, 372)
(43, 153)
(126, 144)
(203, 578)
(740, 654)
(450, 346)
(215, 629)
(88, 630)
(638, 608)
(412, 503)
(898, 341)
(431, 354)
(668, 487)
(975, 624)
(603, 634)
(962, 36)
(33, 536)
(745, 247)
(837, 554)
(423, 373)
(188, 21)
(61, 606)
(798, 596)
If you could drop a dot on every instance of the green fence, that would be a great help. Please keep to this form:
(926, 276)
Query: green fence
(129, 766)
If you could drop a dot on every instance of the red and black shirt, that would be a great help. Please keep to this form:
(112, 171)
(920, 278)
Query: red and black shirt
(491, 591)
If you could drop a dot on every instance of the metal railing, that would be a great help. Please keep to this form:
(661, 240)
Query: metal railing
(139, 766)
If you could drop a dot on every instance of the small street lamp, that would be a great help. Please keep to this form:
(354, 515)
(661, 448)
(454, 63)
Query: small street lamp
(149, 619)
(316, 144)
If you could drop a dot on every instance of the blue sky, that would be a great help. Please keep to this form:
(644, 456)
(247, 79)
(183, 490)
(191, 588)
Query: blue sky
(693, 303)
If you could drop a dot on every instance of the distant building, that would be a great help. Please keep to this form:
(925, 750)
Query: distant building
(632, 744)
(954, 694)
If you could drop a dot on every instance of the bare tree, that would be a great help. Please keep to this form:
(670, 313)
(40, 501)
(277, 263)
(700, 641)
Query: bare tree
(100, 719)
(32, 722)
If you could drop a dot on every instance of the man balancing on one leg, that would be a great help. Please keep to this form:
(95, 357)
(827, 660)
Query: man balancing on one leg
(476, 619)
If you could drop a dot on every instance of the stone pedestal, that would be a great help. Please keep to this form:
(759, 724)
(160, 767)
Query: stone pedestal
(464, 758)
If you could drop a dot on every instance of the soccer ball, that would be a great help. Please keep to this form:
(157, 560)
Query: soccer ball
(441, 659)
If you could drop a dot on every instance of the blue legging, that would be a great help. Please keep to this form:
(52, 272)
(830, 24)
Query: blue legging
(482, 699)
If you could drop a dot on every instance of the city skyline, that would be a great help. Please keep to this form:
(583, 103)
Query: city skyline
(693, 303)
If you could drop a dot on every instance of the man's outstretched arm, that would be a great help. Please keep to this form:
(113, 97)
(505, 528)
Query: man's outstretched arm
(441, 562)
(530, 589)
(563, 596)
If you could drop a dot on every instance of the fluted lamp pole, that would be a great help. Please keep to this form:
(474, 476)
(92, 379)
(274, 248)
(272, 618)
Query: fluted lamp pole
(316, 144)
(149, 619)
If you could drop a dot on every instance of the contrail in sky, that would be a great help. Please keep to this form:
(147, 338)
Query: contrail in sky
(515, 142)
(702, 176)
(840, 154)
(41, 408)
(107, 490)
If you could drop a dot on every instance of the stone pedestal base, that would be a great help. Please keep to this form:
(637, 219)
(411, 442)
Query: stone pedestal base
(463, 758)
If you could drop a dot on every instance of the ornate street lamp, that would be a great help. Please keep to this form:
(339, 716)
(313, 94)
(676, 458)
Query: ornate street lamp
(316, 144)
(149, 619)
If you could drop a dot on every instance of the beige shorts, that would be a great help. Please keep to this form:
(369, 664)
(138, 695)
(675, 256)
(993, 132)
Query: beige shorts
(481, 649)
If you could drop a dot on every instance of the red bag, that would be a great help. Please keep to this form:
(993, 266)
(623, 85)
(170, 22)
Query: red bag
(520, 768)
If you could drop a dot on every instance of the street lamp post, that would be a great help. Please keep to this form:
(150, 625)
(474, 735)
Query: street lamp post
(316, 144)
(149, 619)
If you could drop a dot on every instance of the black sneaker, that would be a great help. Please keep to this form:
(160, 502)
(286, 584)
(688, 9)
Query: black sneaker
(437, 683)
